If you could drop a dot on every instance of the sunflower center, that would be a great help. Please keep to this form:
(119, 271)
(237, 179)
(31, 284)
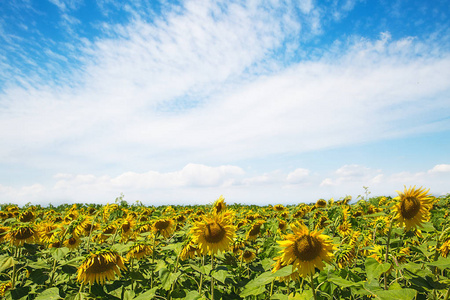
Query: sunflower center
(247, 254)
(255, 230)
(214, 233)
(410, 207)
(161, 225)
(307, 248)
(72, 241)
(24, 234)
(99, 266)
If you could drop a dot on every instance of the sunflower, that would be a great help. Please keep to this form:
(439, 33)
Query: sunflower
(126, 227)
(3, 232)
(321, 203)
(48, 232)
(219, 205)
(72, 243)
(306, 250)
(282, 226)
(165, 227)
(56, 244)
(345, 228)
(214, 233)
(22, 234)
(377, 253)
(346, 256)
(4, 287)
(278, 265)
(26, 216)
(189, 251)
(413, 207)
(100, 266)
(248, 256)
(85, 227)
(139, 251)
(279, 207)
(255, 230)
(445, 248)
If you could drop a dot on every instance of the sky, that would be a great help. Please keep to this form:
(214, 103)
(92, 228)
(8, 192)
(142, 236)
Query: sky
(263, 102)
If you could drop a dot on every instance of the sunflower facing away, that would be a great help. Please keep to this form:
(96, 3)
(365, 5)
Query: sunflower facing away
(413, 207)
(214, 233)
(139, 250)
(100, 266)
(306, 250)
(165, 227)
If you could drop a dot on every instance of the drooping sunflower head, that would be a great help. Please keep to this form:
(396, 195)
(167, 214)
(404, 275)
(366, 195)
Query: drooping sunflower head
(282, 226)
(3, 233)
(248, 256)
(126, 227)
(445, 248)
(100, 266)
(306, 250)
(321, 203)
(139, 251)
(279, 207)
(165, 227)
(22, 234)
(85, 226)
(213, 234)
(48, 231)
(345, 256)
(345, 228)
(413, 207)
(219, 205)
(26, 216)
(255, 230)
(190, 250)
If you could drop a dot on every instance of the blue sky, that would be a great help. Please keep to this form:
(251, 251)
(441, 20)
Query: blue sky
(179, 102)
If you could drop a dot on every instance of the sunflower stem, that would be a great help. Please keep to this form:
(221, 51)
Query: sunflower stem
(387, 250)
(201, 276)
(447, 294)
(313, 287)
(53, 272)
(153, 261)
(271, 288)
(212, 278)
(14, 275)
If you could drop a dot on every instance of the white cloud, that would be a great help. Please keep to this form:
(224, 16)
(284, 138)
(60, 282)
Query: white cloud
(297, 176)
(443, 168)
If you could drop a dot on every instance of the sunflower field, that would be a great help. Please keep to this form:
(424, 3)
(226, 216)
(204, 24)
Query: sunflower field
(369, 248)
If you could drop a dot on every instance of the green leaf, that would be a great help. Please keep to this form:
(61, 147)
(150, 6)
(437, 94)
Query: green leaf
(403, 294)
(59, 253)
(285, 271)
(49, 294)
(220, 275)
(427, 227)
(441, 263)
(193, 295)
(168, 278)
(374, 269)
(344, 283)
(258, 285)
(6, 262)
(279, 297)
(150, 294)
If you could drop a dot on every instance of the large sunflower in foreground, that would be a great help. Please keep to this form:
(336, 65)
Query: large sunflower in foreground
(100, 266)
(213, 234)
(413, 207)
(306, 250)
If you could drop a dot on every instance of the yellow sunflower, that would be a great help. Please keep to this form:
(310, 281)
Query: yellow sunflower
(85, 227)
(100, 266)
(27, 216)
(165, 227)
(345, 228)
(445, 248)
(413, 207)
(282, 226)
(189, 251)
(219, 205)
(126, 227)
(22, 234)
(48, 232)
(72, 243)
(3, 232)
(214, 233)
(321, 203)
(139, 251)
(306, 250)
(255, 230)
(248, 256)
(4, 287)
(279, 207)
